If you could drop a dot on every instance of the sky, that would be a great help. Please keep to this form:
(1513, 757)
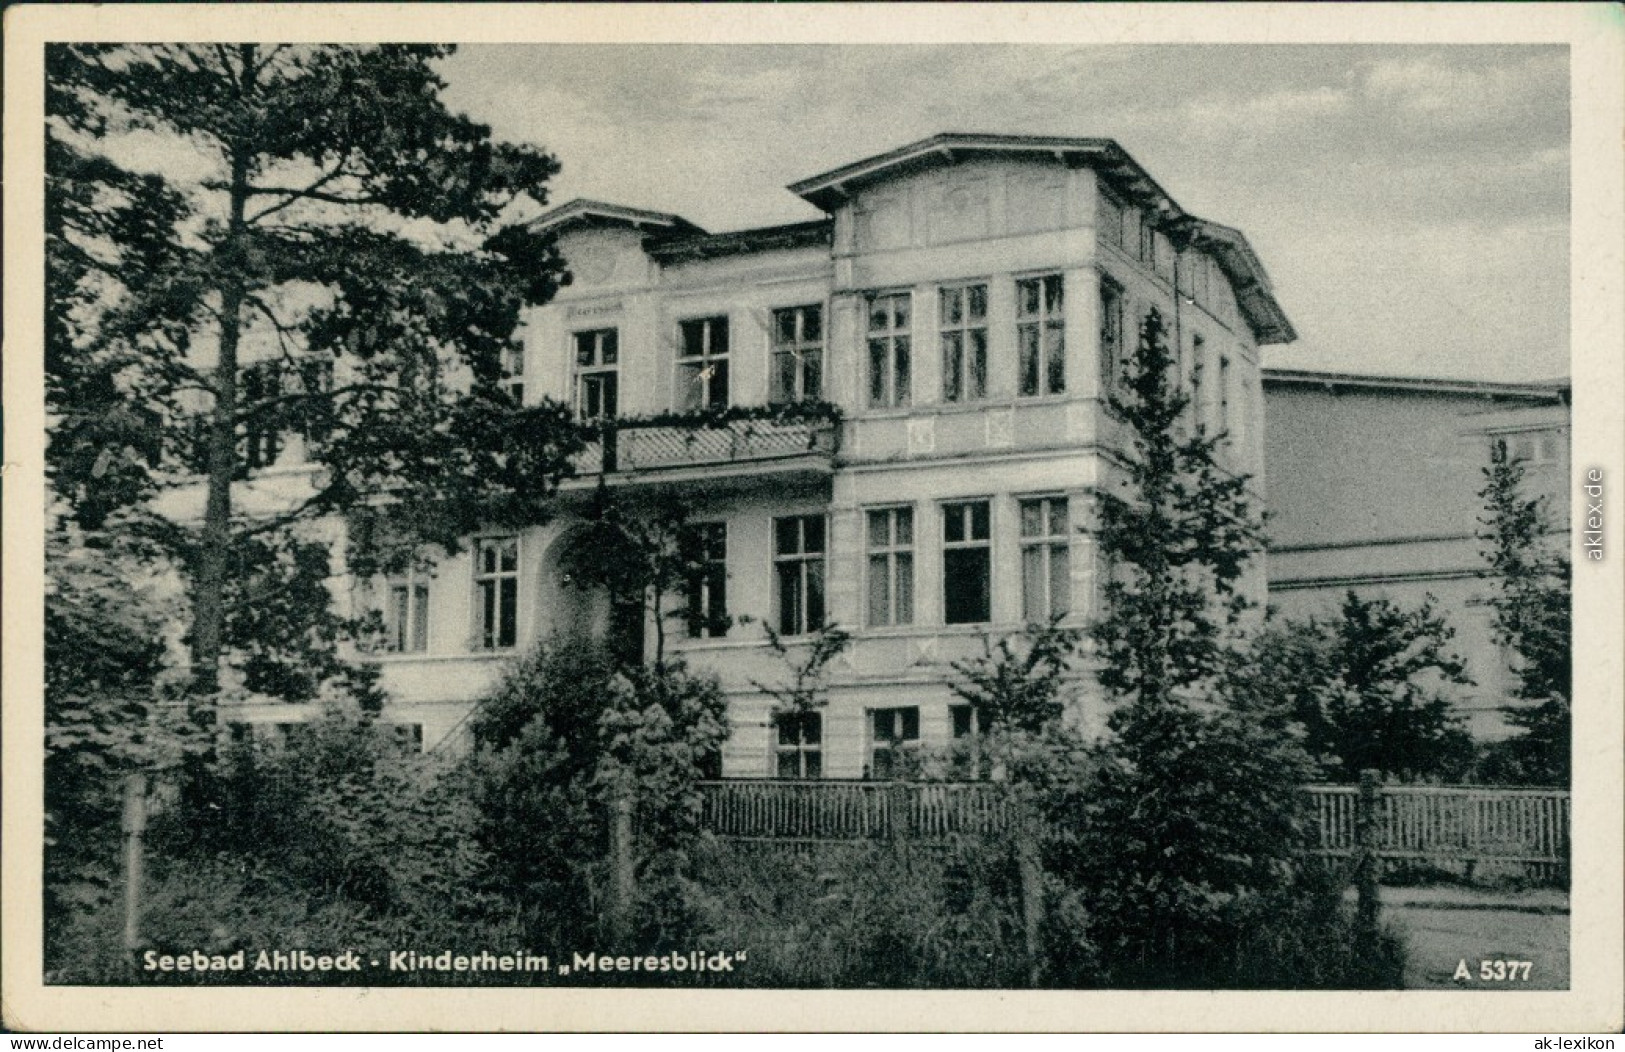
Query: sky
(1411, 203)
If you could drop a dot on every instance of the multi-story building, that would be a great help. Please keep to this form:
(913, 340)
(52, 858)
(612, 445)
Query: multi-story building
(964, 305)
(1374, 486)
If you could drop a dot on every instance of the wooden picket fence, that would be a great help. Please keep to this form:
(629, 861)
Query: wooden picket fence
(1452, 826)
(1446, 826)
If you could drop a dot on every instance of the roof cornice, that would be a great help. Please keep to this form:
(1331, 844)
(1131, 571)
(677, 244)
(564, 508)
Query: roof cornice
(685, 248)
(1551, 391)
(583, 211)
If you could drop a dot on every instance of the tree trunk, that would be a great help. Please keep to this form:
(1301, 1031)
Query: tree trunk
(209, 578)
(1367, 862)
(134, 825)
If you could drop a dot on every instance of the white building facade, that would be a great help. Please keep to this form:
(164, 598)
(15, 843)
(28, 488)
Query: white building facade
(964, 306)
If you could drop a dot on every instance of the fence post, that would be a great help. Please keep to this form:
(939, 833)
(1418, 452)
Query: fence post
(622, 880)
(134, 825)
(897, 815)
(1031, 870)
(1366, 861)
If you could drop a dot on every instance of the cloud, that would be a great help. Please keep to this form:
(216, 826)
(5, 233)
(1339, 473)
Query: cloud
(1411, 202)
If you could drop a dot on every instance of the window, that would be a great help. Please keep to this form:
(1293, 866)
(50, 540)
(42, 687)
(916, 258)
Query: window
(406, 619)
(597, 374)
(1224, 393)
(706, 552)
(1046, 577)
(702, 364)
(406, 737)
(966, 563)
(798, 561)
(1148, 240)
(1534, 447)
(798, 354)
(1198, 361)
(1109, 218)
(1039, 335)
(962, 319)
(889, 349)
(798, 744)
(512, 380)
(890, 732)
(316, 378)
(496, 582)
(259, 387)
(1111, 333)
(967, 742)
(891, 566)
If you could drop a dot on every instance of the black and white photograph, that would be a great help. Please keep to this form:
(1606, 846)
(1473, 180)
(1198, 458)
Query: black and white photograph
(1078, 512)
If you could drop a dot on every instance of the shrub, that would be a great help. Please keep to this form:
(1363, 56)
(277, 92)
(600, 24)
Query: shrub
(1366, 686)
(865, 914)
(564, 734)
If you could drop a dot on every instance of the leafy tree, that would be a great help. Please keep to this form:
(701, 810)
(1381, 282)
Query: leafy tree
(1533, 618)
(1366, 687)
(641, 557)
(344, 268)
(1018, 690)
(566, 733)
(808, 686)
(1192, 815)
(110, 708)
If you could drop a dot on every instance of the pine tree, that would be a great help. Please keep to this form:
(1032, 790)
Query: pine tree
(1193, 817)
(1532, 618)
(362, 233)
(1178, 537)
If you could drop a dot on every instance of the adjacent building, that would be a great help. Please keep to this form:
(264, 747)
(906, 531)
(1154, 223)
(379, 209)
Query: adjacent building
(1374, 487)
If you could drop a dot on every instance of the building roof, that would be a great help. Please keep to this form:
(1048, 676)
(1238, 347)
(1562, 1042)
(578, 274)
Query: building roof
(682, 248)
(582, 211)
(1241, 265)
(1552, 391)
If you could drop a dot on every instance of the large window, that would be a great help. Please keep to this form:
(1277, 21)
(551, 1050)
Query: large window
(1534, 448)
(966, 563)
(258, 390)
(597, 374)
(406, 619)
(962, 319)
(1039, 335)
(1198, 367)
(798, 354)
(891, 731)
(1111, 333)
(891, 566)
(316, 378)
(966, 753)
(889, 349)
(1223, 393)
(496, 586)
(798, 744)
(1046, 572)
(798, 563)
(702, 364)
(1109, 218)
(706, 552)
(513, 373)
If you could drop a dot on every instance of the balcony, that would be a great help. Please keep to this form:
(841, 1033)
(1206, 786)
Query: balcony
(631, 451)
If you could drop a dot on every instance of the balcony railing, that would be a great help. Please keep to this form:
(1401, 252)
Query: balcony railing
(649, 447)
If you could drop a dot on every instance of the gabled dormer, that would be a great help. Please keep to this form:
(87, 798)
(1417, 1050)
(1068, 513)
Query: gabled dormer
(959, 187)
(603, 243)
